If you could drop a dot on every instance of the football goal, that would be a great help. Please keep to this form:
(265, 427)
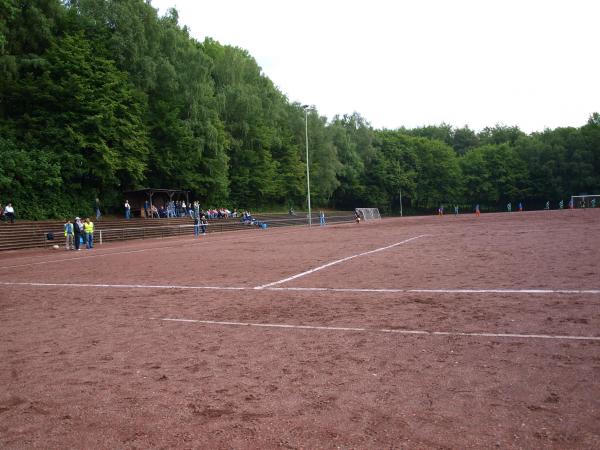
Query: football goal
(367, 214)
(585, 201)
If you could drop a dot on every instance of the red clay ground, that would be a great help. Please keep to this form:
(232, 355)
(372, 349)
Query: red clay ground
(94, 365)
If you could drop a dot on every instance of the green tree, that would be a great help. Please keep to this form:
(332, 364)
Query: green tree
(398, 168)
(494, 174)
(353, 138)
(439, 175)
(31, 180)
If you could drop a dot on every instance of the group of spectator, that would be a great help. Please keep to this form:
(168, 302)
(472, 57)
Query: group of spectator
(168, 210)
(248, 219)
(180, 209)
(7, 213)
(79, 232)
(221, 213)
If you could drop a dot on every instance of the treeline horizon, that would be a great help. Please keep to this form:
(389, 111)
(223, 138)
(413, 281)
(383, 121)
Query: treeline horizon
(100, 97)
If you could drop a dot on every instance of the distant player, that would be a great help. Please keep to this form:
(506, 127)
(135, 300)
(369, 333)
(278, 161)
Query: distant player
(520, 207)
(477, 212)
(561, 204)
(547, 207)
(456, 210)
(593, 203)
(441, 210)
(571, 205)
(509, 207)
(356, 216)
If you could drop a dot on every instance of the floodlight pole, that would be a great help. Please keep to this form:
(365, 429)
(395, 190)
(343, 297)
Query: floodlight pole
(306, 108)
(400, 188)
(400, 202)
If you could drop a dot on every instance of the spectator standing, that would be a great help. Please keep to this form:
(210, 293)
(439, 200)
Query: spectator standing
(203, 223)
(127, 210)
(77, 233)
(322, 218)
(97, 208)
(146, 208)
(69, 235)
(9, 213)
(196, 226)
(1, 212)
(88, 228)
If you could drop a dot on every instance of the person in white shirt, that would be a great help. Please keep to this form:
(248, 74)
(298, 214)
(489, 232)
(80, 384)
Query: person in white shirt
(127, 209)
(9, 213)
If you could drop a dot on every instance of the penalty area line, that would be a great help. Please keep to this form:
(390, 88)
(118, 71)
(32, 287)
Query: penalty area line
(338, 261)
(382, 330)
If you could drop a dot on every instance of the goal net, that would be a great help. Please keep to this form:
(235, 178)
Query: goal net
(585, 201)
(367, 214)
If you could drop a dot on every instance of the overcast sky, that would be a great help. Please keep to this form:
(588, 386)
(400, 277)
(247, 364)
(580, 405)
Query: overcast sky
(530, 63)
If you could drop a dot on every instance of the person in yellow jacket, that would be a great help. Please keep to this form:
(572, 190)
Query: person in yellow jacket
(88, 229)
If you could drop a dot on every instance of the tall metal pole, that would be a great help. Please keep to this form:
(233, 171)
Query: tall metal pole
(400, 202)
(307, 164)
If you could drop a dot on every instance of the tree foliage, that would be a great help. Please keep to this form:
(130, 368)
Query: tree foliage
(101, 96)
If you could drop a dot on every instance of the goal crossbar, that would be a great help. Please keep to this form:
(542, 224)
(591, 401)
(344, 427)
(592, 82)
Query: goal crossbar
(367, 214)
(585, 201)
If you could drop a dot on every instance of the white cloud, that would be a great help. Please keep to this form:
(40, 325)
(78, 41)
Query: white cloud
(529, 63)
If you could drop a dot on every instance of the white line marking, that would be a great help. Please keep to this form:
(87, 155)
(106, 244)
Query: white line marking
(123, 286)
(311, 289)
(324, 266)
(441, 291)
(384, 330)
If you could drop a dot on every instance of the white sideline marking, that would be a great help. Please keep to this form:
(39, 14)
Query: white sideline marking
(384, 330)
(123, 286)
(311, 289)
(441, 291)
(324, 266)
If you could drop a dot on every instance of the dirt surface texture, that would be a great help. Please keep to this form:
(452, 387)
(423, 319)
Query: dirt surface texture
(422, 332)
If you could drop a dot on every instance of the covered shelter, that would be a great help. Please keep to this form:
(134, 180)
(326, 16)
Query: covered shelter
(158, 197)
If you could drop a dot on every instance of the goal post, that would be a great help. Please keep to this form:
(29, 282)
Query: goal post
(368, 214)
(585, 201)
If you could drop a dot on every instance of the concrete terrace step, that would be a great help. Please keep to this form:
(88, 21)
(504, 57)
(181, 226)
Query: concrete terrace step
(30, 234)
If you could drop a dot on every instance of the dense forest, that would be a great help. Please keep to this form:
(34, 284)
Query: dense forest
(98, 97)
